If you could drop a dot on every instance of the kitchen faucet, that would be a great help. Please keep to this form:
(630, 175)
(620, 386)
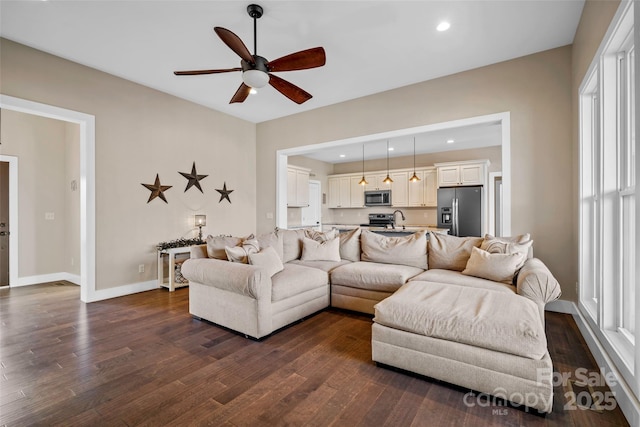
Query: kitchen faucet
(393, 224)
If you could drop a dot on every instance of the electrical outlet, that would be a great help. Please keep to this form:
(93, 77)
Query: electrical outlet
(269, 215)
(49, 216)
(425, 214)
(141, 268)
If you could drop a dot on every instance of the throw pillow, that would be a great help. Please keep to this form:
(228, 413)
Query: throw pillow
(268, 259)
(496, 267)
(406, 250)
(450, 252)
(350, 245)
(320, 236)
(522, 238)
(239, 253)
(313, 250)
(497, 246)
(272, 239)
(216, 245)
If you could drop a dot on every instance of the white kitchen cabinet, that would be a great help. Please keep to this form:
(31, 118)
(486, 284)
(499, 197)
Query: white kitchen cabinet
(462, 173)
(340, 192)
(375, 182)
(297, 186)
(424, 192)
(430, 188)
(357, 192)
(399, 189)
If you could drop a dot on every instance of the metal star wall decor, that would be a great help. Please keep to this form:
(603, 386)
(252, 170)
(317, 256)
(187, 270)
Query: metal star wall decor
(194, 178)
(157, 190)
(224, 193)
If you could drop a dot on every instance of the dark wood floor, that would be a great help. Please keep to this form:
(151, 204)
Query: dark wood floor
(142, 360)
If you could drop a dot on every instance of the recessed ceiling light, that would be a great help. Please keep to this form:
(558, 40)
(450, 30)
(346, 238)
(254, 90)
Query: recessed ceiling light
(343, 155)
(443, 26)
(450, 141)
(390, 148)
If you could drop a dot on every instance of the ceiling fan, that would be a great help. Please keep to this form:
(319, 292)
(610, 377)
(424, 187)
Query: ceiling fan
(256, 70)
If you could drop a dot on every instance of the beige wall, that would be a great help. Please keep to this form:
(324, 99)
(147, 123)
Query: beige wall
(141, 132)
(595, 19)
(40, 145)
(535, 89)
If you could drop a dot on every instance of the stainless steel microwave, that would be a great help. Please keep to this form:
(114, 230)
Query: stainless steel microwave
(377, 198)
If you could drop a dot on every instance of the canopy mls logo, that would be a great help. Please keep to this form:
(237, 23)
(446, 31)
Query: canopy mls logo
(579, 393)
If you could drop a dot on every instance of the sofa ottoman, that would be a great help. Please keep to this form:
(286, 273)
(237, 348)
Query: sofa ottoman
(488, 341)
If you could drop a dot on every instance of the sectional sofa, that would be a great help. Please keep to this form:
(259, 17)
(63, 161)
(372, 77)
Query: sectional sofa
(469, 311)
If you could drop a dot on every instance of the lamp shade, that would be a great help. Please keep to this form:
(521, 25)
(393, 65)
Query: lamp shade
(201, 220)
(255, 78)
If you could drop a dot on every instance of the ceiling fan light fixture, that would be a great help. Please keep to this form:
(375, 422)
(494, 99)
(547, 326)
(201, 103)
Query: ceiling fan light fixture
(255, 78)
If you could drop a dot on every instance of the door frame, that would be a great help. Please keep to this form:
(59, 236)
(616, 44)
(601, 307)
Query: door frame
(87, 187)
(13, 217)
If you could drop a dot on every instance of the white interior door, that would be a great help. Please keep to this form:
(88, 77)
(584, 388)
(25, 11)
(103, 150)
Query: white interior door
(312, 214)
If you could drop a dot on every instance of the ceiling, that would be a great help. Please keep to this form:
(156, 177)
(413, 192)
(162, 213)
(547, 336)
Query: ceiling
(371, 46)
(475, 136)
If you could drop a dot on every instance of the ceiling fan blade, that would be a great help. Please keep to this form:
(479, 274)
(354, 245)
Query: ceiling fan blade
(198, 72)
(241, 94)
(289, 90)
(234, 43)
(303, 60)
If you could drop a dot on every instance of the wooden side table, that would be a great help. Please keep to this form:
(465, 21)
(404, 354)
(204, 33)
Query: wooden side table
(170, 253)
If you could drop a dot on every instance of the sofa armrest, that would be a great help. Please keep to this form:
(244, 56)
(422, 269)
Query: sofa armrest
(243, 279)
(536, 282)
(199, 251)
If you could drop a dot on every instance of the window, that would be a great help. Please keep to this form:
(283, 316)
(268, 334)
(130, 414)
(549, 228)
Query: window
(608, 195)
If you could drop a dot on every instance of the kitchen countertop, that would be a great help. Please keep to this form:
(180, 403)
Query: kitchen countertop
(408, 227)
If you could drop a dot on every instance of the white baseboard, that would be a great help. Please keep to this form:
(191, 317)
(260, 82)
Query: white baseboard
(561, 306)
(627, 401)
(95, 295)
(119, 291)
(46, 278)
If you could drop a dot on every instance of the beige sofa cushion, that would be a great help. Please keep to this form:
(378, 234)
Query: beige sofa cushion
(499, 267)
(328, 250)
(327, 266)
(450, 252)
(216, 245)
(296, 279)
(457, 278)
(477, 317)
(373, 276)
(350, 245)
(291, 243)
(406, 250)
(320, 236)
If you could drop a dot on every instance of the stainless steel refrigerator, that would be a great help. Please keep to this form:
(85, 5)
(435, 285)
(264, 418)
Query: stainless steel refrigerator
(460, 210)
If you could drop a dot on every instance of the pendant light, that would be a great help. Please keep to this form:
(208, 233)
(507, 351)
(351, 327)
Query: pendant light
(363, 181)
(388, 179)
(415, 177)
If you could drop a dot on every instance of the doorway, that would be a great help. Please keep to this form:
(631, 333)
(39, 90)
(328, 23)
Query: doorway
(86, 122)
